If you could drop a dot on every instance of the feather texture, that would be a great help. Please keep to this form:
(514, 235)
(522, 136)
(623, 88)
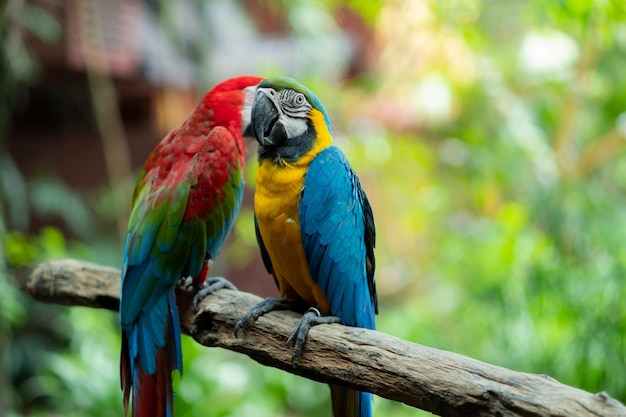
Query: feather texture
(332, 221)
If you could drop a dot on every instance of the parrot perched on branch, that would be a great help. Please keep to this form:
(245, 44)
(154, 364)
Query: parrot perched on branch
(184, 205)
(314, 223)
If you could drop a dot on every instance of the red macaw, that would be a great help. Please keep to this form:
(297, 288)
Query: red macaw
(184, 205)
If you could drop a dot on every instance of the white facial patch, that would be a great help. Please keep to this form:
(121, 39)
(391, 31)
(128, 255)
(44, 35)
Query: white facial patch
(294, 109)
(246, 109)
(294, 127)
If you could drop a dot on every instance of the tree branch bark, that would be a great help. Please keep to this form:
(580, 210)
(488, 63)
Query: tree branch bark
(444, 383)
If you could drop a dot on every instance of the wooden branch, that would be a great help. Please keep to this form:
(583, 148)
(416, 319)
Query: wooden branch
(441, 382)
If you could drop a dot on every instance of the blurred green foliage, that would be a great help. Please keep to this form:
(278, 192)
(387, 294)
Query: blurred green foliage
(499, 215)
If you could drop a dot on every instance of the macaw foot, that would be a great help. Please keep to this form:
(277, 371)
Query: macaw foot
(186, 284)
(311, 318)
(264, 307)
(211, 285)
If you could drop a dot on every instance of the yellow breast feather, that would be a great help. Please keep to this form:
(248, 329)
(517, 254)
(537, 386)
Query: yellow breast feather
(278, 188)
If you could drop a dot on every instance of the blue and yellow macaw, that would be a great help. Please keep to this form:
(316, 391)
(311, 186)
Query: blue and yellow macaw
(314, 224)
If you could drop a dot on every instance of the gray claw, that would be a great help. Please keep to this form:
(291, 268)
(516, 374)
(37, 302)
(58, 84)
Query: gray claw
(264, 307)
(210, 286)
(311, 318)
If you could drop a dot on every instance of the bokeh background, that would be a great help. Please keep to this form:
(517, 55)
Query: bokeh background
(488, 135)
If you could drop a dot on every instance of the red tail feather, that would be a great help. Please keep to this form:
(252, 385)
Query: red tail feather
(152, 394)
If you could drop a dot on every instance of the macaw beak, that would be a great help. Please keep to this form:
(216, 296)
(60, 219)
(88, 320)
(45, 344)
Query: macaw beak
(264, 119)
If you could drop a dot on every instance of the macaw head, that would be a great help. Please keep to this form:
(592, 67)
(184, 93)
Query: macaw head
(288, 120)
(229, 104)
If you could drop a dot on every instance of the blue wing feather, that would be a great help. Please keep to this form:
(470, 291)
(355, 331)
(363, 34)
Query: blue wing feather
(338, 237)
(147, 294)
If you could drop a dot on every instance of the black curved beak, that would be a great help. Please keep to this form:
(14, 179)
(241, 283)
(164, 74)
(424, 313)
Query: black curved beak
(263, 120)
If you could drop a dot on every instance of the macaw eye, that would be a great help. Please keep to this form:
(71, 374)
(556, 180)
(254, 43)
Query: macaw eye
(299, 99)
